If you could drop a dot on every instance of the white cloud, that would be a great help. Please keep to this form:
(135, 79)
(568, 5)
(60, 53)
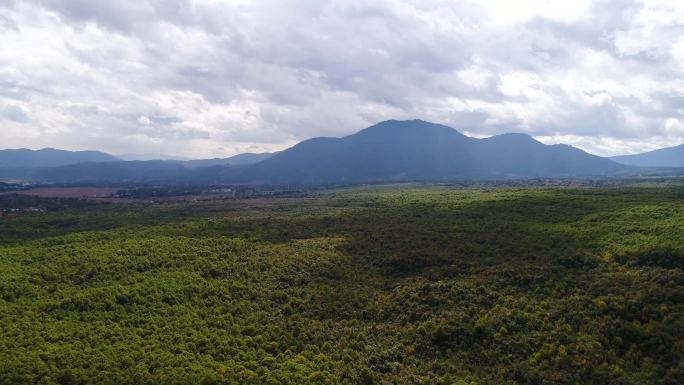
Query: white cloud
(674, 126)
(512, 12)
(212, 78)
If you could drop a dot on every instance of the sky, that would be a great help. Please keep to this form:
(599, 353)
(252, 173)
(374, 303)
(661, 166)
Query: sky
(212, 78)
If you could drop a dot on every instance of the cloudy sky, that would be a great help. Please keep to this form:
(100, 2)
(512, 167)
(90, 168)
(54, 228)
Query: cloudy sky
(212, 78)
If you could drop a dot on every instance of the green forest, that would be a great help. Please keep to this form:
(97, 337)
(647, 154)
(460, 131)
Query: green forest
(374, 285)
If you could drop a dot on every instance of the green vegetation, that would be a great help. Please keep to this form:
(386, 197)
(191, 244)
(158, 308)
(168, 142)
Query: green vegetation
(358, 286)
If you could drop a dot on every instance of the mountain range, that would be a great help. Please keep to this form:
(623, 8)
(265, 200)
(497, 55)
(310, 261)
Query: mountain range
(390, 151)
(50, 157)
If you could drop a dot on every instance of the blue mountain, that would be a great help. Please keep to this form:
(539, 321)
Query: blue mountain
(49, 157)
(418, 150)
(664, 157)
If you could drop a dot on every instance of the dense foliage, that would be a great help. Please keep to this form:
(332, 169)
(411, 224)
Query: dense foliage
(362, 286)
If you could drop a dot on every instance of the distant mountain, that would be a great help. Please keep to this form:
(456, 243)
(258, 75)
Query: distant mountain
(249, 158)
(390, 151)
(664, 157)
(149, 156)
(150, 171)
(49, 157)
(104, 168)
(419, 150)
(239, 159)
(235, 160)
(519, 155)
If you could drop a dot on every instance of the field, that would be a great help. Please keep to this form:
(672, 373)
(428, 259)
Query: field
(382, 285)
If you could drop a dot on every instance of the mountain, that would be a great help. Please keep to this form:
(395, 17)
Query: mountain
(239, 159)
(235, 160)
(109, 169)
(249, 158)
(150, 171)
(49, 157)
(149, 156)
(519, 155)
(387, 151)
(664, 157)
(418, 150)
(390, 151)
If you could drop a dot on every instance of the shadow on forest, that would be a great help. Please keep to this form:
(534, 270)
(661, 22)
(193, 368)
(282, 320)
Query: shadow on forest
(406, 238)
(558, 228)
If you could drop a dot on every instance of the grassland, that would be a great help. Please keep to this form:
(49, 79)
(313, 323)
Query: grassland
(384, 285)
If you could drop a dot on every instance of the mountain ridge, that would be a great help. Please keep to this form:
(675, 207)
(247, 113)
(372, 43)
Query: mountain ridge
(50, 157)
(662, 157)
(418, 150)
(389, 151)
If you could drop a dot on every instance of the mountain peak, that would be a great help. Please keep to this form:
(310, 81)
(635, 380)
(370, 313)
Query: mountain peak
(513, 138)
(391, 128)
(515, 135)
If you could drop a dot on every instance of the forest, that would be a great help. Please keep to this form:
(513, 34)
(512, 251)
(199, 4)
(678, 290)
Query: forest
(366, 285)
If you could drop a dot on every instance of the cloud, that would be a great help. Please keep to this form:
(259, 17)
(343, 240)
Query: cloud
(13, 113)
(211, 78)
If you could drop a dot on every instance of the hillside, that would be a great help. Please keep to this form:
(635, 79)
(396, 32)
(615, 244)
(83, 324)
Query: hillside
(664, 157)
